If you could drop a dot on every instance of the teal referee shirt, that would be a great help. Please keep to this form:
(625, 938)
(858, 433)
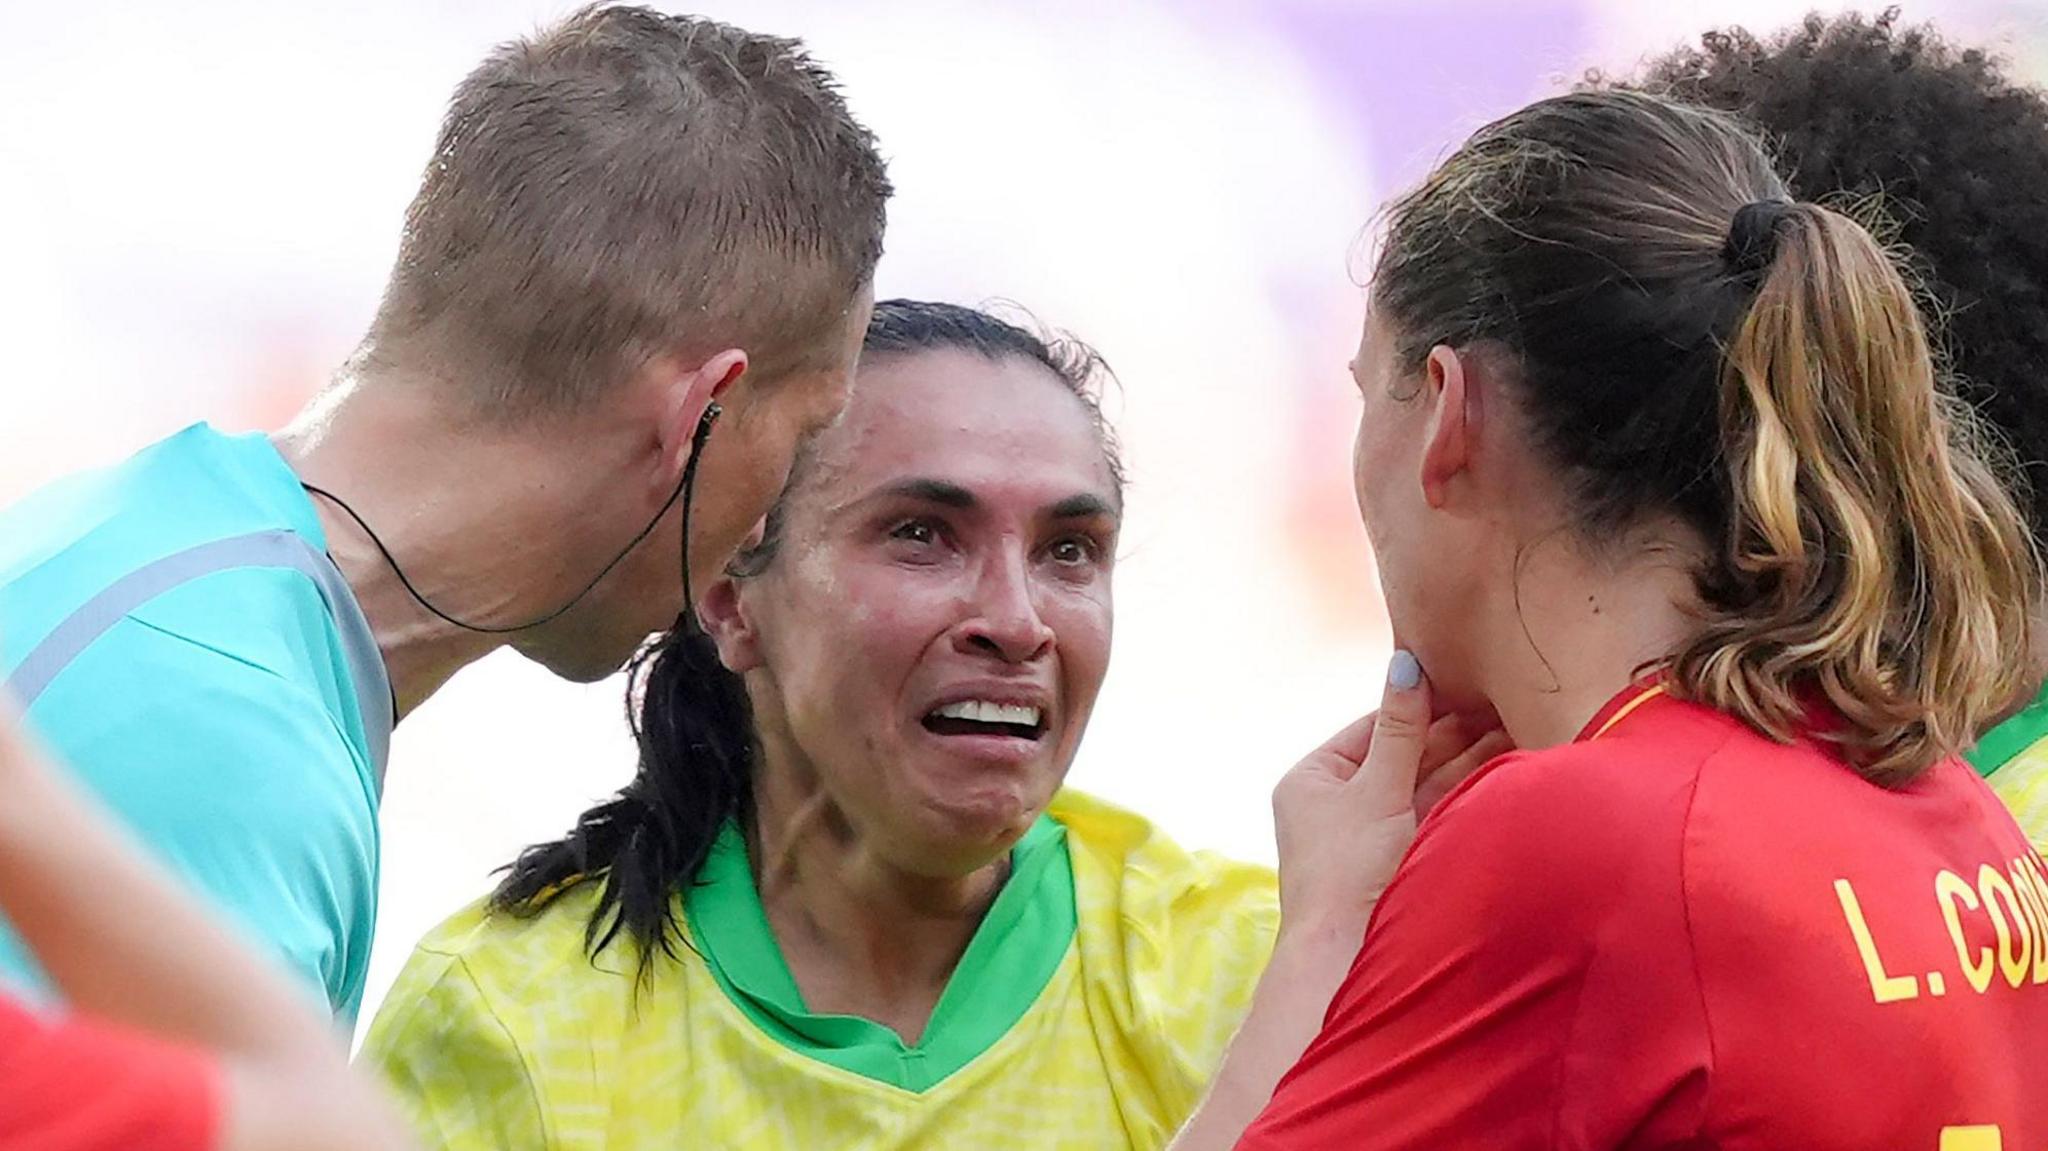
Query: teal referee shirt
(175, 631)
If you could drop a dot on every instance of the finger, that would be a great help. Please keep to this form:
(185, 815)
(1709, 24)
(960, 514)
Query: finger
(1395, 755)
(1439, 783)
(1489, 747)
(1349, 746)
(1493, 744)
(1453, 770)
(1480, 717)
(1452, 738)
(1448, 735)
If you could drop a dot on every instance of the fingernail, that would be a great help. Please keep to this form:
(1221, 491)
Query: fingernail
(1403, 673)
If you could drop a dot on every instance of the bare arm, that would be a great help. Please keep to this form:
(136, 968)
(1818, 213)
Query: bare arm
(126, 945)
(1344, 818)
(1286, 1013)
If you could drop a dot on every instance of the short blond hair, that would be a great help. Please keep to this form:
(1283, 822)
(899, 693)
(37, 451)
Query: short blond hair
(626, 184)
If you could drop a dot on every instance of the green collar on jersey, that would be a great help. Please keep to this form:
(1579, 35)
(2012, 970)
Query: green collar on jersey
(1013, 955)
(1997, 747)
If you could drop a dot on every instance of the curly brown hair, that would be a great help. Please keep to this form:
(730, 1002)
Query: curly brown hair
(1956, 153)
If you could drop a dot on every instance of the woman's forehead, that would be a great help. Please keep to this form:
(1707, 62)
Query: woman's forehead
(959, 415)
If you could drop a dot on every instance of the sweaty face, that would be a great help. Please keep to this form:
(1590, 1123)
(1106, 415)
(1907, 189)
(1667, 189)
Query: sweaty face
(936, 626)
(746, 462)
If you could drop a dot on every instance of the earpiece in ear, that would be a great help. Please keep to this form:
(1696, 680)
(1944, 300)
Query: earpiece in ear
(688, 492)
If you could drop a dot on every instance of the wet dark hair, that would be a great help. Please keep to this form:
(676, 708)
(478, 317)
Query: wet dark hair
(1957, 155)
(1685, 341)
(691, 716)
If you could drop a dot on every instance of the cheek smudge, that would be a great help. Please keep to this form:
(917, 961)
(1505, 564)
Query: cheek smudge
(818, 572)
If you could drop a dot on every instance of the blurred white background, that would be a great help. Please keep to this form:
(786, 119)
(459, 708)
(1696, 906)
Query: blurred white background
(199, 201)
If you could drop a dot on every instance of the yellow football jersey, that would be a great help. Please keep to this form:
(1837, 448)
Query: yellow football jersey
(1087, 1014)
(2023, 784)
(2013, 758)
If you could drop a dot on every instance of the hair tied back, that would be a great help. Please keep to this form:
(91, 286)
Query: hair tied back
(1752, 242)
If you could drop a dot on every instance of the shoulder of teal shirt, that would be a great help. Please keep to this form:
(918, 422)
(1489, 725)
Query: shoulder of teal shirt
(295, 865)
(63, 543)
(2022, 730)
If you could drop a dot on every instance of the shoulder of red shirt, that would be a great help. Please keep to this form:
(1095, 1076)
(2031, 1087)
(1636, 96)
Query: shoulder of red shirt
(1564, 819)
(1648, 746)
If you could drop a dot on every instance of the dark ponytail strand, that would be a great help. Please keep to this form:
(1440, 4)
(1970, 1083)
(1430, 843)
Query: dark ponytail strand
(694, 728)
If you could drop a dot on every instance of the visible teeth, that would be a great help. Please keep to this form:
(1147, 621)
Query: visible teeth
(982, 711)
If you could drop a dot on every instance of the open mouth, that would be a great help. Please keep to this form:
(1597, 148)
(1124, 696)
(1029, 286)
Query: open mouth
(983, 717)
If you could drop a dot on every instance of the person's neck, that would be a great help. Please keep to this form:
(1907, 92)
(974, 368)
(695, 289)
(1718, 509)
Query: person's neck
(861, 936)
(477, 519)
(1575, 629)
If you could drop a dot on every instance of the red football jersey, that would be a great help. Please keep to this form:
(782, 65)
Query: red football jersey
(75, 1086)
(1675, 933)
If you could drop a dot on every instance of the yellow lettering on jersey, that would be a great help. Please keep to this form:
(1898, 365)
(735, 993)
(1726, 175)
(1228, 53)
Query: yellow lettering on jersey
(1971, 1139)
(2013, 959)
(1886, 988)
(1950, 887)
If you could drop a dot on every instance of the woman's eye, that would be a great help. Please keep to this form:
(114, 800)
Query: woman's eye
(914, 531)
(1072, 551)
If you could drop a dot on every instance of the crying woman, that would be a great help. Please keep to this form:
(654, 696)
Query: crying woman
(845, 902)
